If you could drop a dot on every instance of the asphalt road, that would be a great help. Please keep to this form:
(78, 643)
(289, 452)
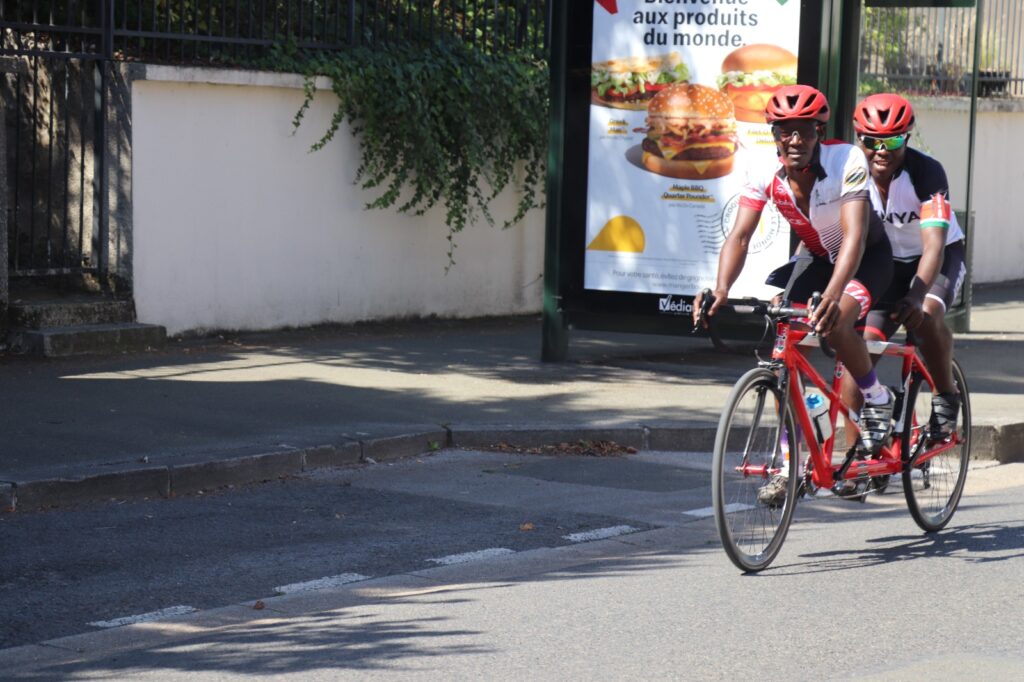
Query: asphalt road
(68, 567)
(857, 591)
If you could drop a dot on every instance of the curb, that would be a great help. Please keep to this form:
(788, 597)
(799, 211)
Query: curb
(1003, 443)
(7, 497)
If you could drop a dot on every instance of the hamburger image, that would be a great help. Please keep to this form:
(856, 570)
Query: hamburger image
(750, 74)
(691, 133)
(630, 83)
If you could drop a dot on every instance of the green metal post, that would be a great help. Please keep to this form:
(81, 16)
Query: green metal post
(4, 284)
(847, 69)
(961, 322)
(554, 333)
(838, 62)
(831, 53)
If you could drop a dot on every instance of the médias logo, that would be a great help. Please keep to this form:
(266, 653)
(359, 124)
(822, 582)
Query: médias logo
(673, 306)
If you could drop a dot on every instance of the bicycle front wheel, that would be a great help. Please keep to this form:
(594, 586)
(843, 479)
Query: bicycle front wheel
(933, 488)
(754, 432)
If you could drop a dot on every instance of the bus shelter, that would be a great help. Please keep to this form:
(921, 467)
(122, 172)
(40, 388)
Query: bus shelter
(634, 226)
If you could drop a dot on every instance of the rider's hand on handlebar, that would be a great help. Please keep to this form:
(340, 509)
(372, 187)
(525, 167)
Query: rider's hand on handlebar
(909, 312)
(717, 298)
(824, 317)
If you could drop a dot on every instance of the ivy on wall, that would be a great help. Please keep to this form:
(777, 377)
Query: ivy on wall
(440, 124)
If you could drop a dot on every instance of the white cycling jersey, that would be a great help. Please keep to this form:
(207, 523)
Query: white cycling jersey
(915, 183)
(843, 176)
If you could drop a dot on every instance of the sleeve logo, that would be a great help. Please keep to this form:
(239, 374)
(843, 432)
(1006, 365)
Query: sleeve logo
(935, 212)
(855, 176)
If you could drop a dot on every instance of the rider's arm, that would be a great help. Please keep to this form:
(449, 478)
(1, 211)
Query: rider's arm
(936, 217)
(853, 219)
(934, 226)
(933, 240)
(734, 252)
(854, 213)
(732, 257)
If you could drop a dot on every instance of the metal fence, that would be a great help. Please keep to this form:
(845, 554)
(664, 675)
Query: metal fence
(53, 126)
(239, 32)
(931, 50)
(57, 103)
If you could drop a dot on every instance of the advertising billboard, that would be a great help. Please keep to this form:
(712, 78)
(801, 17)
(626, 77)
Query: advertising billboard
(675, 125)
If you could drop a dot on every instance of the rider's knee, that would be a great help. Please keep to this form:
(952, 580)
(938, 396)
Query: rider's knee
(933, 327)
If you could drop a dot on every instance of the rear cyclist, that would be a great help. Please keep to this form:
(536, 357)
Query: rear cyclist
(822, 190)
(909, 191)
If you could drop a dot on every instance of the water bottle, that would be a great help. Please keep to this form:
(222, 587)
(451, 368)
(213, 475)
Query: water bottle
(817, 408)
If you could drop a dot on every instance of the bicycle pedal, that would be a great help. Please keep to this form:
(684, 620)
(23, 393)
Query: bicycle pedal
(880, 483)
(931, 440)
(858, 492)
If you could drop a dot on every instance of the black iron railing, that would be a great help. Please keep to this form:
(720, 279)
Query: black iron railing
(56, 102)
(930, 51)
(55, 186)
(240, 32)
(920, 50)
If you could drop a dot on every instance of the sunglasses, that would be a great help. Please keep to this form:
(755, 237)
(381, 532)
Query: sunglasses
(803, 132)
(887, 143)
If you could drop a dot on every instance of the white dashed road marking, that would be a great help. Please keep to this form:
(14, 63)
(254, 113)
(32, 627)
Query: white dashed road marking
(472, 556)
(321, 583)
(600, 533)
(710, 511)
(144, 617)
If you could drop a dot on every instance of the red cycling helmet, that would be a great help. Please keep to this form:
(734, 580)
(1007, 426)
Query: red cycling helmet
(883, 115)
(797, 102)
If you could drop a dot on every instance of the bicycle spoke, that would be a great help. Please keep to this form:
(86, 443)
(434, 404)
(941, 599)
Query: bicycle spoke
(935, 478)
(758, 408)
(747, 454)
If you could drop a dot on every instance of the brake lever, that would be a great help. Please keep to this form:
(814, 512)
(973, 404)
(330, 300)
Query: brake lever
(825, 346)
(707, 298)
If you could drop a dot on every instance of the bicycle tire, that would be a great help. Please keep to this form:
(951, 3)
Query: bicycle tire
(933, 489)
(755, 417)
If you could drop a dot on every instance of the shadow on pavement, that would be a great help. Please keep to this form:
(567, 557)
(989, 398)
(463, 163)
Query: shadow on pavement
(235, 400)
(342, 639)
(975, 543)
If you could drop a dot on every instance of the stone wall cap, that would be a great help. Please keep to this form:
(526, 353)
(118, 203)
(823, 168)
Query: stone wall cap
(217, 76)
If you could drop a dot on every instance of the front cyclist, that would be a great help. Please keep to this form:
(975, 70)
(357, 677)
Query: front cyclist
(909, 191)
(822, 190)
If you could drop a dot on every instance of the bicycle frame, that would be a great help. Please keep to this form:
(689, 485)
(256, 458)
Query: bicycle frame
(754, 506)
(787, 356)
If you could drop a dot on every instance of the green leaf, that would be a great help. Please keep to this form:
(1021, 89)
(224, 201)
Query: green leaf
(445, 124)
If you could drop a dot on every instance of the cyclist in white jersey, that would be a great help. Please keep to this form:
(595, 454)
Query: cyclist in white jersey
(909, 191)
(822, 190)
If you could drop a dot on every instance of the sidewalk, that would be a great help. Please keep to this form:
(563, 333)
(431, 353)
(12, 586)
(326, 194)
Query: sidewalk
(207, 413)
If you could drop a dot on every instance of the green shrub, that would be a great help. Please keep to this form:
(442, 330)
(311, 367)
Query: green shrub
(443, 123)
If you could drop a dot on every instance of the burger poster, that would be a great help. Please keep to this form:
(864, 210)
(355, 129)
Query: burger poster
(678, 90)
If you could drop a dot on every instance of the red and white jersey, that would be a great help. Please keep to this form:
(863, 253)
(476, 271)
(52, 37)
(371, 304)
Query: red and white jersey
(842, 176)
(910, 194)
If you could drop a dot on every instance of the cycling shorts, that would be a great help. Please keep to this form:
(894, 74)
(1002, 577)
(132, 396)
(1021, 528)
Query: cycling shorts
(945, 289)
(806, 274)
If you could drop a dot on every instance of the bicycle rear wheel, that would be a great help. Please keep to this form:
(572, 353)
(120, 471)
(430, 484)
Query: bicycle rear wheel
(933, 488)
(754, 425)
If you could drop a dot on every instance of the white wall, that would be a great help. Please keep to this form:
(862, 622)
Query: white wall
(999, 197)
(237, 226)
(998, 178)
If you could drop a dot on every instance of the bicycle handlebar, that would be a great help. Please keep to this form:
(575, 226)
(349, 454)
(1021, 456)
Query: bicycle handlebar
(753, 306)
